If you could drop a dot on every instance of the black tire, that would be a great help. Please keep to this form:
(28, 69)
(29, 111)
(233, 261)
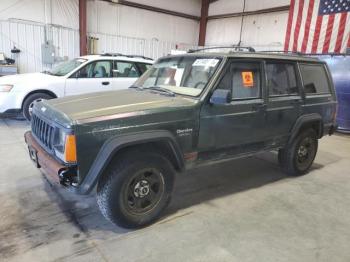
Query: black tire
(28, 103)
(117, 195)
(297, 158)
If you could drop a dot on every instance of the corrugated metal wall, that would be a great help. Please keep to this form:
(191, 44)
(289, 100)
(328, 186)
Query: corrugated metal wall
(262, 31)
(28, 37)
(153, 48)
(120, 29)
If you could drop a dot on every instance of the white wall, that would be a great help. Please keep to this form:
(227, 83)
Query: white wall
(130, 30)
(264, 31)
(119, 28)
(258, 30)
(58, 12)
(122, 20)
(22, 24)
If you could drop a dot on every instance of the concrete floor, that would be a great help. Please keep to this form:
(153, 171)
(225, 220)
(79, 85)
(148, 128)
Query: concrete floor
(244, 210)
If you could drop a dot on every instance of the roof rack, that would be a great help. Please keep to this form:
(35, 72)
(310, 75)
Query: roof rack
(281, 51)
(235, 47)
(303, 54)
(327, 54)
(130, 56)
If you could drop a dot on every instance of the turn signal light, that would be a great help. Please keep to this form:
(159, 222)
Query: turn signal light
(70, 152)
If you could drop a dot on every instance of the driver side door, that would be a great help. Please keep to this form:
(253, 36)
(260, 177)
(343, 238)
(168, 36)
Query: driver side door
(96, 76)
(237, 126)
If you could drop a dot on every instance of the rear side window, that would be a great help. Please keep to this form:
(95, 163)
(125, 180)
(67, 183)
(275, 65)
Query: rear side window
(143, 67)
(243, 79)
(281, 79)
(315, 79)
(125, 69)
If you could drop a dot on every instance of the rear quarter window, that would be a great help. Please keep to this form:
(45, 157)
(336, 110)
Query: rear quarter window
(315, 79)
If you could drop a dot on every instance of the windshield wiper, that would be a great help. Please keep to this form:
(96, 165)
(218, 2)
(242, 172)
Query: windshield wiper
(136, 87)
(160, 89)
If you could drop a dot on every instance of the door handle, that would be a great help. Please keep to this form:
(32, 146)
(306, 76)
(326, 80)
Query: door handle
(105, 83)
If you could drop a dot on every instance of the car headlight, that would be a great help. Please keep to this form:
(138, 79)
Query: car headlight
(5, 88)
(65, 146)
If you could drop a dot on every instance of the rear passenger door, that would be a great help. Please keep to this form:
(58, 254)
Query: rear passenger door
(317, 88)
(283, 99)
(125, 73)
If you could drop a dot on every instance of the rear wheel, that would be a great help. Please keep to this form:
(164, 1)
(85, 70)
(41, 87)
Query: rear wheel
(136, 189)
(30, 101)
(297, 158)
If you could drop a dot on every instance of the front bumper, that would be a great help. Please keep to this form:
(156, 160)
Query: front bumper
(10, 101)
(51, 168)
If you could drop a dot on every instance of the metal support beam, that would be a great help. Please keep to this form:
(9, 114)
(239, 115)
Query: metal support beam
(82, 27)
(203, 22)
(256, 12)
(154, 9)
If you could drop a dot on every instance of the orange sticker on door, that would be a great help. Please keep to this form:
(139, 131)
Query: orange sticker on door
(247, 79)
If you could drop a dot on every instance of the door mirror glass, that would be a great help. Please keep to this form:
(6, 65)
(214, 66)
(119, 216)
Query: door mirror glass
(221, 96)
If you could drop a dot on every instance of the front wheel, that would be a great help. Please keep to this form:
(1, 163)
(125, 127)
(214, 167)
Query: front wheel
(136, 189)
(30, 101)
(297, 158)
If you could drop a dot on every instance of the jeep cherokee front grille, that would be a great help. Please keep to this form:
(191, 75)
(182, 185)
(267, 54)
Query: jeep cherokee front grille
(42, 131)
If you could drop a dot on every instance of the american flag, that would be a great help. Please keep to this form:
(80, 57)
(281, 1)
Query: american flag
(318, 26)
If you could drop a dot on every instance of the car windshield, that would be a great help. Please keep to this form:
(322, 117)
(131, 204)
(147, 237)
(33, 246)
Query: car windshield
(66, 67)
(185, 75)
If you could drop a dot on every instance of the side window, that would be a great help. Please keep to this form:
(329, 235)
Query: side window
(281, 79)
(98, 69)
(244, 79)
(125, 69)
(315, 79)
(143, 67)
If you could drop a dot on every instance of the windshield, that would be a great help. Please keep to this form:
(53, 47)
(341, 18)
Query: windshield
(186, 75)
(66, 67)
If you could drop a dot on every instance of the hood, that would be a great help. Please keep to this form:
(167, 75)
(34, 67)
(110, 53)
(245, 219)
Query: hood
(113, 103)
(37, 78)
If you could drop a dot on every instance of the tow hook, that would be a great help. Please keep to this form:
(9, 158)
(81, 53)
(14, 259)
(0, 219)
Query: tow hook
(67, 177)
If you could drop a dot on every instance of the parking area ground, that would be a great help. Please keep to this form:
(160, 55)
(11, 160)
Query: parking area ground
(243, 210)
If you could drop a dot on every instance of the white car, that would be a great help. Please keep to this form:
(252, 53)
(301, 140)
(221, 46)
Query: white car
(86, 74)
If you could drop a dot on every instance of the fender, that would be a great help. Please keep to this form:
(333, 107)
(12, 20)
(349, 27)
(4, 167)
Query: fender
(113, 145)
(304, 120)
(45, 91)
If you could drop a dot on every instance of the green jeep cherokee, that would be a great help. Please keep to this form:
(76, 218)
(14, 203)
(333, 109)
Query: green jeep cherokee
(185, 111)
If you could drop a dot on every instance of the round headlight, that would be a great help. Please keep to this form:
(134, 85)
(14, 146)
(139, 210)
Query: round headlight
(60, 140)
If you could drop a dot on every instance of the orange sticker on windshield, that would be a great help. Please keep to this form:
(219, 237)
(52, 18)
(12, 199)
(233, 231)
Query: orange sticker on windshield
(247, 79)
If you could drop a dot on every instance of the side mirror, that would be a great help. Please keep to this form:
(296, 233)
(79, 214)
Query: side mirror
(221, 96)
